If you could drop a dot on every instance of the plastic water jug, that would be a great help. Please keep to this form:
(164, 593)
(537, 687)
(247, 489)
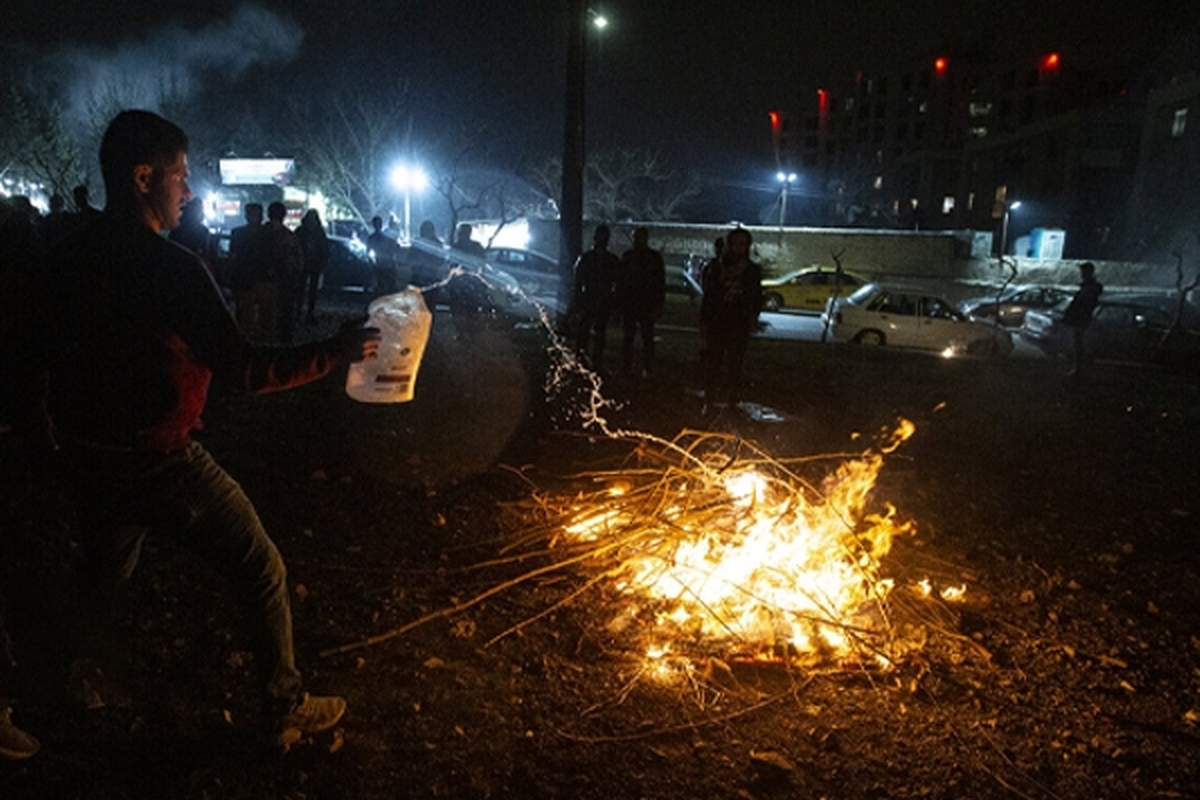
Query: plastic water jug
(403, 321)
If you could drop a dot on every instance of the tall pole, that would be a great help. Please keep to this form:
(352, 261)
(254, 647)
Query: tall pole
(408, 213)
(573, 158)
(783, 205)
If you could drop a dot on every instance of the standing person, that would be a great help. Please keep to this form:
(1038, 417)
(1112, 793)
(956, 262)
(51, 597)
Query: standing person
(192, 233)
(255, 305)
(469, 301)
(1078, 314)
(595, 283)
(84, 210)
(641, 292)
(728, 315)
(131, 331)
(315, 246)
(57, 223)
(284, 269)
(427, 262)
(386, 252)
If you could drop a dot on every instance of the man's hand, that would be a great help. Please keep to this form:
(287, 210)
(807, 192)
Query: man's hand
(356, 343)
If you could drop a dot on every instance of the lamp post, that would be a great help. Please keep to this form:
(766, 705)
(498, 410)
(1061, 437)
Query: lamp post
(1008, 208)
(786, 179)
(409, 179)
(573, 155)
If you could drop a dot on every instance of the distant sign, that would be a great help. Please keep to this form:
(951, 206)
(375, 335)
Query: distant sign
(257, 171)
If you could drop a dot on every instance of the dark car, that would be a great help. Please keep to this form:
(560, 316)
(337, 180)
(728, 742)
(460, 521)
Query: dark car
(349, 265)
(1012, 303)
(536, 272)
(1123, 328)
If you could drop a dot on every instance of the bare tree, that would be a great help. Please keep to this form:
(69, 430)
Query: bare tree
(346, 145)
(625, 184)
(36, 144)
(472, 189)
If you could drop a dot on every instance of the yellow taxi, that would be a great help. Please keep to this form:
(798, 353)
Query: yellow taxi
(807, 289)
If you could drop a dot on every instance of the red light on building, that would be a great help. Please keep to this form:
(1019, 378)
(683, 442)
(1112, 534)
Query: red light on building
(822, 102)
(776, 122)
(1050, 61)
(939, 65)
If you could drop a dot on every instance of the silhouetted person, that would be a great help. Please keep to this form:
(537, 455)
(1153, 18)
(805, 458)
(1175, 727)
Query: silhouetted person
(427, 262)
(386, 251)
(641, 292)
(469, 300)
(254, 297)
(315, 246)
(131, 331)
(193, 234)
(20, 256)
(56, 224)
(284, 269)
(595, 286)
(20, 261)
(728, 316)
(1078, 314)
(84, 210)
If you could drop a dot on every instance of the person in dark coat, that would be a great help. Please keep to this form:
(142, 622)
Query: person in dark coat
(595, 285)
(641, 292)
(728, 316)
(131, 331)
(1078, 314)
(315, 246)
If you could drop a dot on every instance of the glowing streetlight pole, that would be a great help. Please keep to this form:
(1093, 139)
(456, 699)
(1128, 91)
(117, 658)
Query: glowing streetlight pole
(1008, 207)
(408, 179)
(573, 158)
(785, 180)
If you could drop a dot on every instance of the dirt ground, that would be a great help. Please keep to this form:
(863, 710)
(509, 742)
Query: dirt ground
(1070, 671)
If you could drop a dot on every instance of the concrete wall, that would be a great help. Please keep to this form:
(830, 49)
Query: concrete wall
(934, 255)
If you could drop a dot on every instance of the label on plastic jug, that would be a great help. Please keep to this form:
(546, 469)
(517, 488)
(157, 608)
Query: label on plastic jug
(403, 321)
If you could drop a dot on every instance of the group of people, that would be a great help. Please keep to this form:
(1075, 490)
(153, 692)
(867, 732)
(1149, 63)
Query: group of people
(634, 286)
(112, 337)
(275, 273)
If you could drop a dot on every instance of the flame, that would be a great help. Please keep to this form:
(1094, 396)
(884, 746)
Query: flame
(746, 556)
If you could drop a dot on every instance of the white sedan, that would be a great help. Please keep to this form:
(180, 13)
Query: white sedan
(906, 316)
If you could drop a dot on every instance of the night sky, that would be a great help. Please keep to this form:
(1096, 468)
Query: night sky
(692, 79)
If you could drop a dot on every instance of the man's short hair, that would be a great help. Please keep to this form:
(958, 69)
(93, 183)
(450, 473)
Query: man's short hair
(1087, 268)
(276, 211)
(137, 137)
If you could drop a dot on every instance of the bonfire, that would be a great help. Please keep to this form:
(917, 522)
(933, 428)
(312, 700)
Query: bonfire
(707, 547)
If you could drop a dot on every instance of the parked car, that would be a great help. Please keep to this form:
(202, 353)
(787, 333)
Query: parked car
(905, 316)
(1011, 304)
(807, 289)
(537, 273)
(349, 265)
(1123, 328)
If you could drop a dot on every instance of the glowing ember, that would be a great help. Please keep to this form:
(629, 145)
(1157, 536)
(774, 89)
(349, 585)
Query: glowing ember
(744, 555)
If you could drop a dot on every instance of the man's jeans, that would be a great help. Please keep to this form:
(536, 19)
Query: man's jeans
(123, 495)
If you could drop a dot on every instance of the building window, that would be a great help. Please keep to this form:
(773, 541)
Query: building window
(1179, 123)
(971, 201)
(947, 204)
(878, 181)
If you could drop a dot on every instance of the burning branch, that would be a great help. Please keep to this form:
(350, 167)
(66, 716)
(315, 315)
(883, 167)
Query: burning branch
(708, 547)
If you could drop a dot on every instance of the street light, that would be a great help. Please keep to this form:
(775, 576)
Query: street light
(408, 180)
(1008, 208)
(573, 157)
(786, 179)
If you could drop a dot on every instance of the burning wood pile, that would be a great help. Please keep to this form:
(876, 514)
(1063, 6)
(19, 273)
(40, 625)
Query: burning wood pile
(709, 546)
